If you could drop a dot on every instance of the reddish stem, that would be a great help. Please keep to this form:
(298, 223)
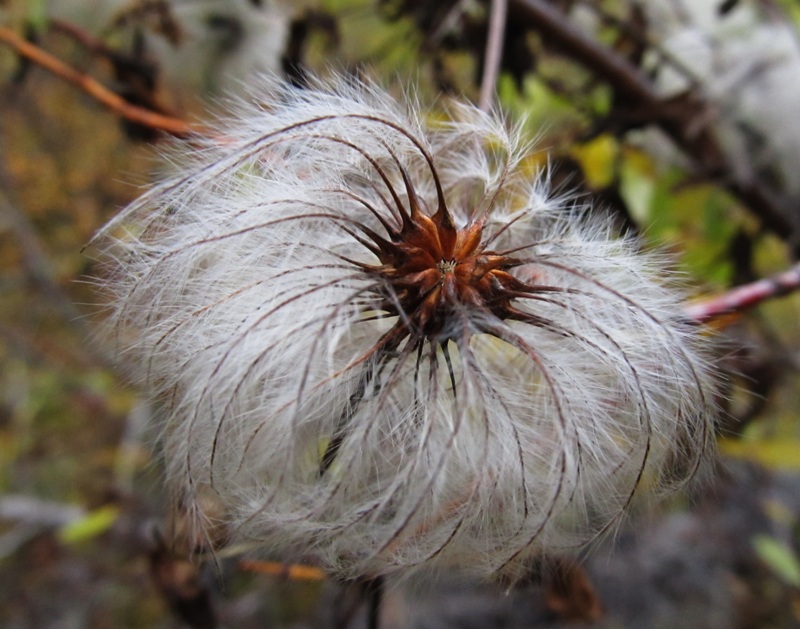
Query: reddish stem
(745, 297)
(97, 90)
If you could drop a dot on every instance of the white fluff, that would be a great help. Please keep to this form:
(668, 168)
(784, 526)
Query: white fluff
(748, 67)
(223, 45)
(246, 295)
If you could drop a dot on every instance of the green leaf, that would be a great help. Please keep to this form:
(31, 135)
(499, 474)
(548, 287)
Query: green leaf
(637, 185)
(37, 15)
(779, 557)
(91, 525)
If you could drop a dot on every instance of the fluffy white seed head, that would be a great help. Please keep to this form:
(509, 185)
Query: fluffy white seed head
(382, 345)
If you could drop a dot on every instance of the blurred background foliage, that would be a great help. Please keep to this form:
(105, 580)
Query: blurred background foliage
(83, 513)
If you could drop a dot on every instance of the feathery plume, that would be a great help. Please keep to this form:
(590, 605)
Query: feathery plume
(384, 345)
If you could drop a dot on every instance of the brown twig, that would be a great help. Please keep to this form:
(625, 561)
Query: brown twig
(745, 297)
(88, 41)
(677, 119)
(556, 27)
(95, 89)
(294, 572)
(494, 53)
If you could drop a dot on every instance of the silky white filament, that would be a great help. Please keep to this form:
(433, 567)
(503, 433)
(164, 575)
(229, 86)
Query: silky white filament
(384, 346)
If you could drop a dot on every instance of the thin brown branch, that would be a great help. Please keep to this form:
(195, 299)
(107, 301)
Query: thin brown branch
(294, 572)
(494, 53)
(678, 118)
(556, 27)
(745, 297)
(95, 89)
(88, 41)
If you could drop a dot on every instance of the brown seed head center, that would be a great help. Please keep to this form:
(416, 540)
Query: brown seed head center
(440, 277)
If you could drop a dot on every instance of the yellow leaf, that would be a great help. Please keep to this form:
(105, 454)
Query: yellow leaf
(774, 453)
(598, 160)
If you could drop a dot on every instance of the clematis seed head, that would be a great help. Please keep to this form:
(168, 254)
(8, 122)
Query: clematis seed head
(383, 345)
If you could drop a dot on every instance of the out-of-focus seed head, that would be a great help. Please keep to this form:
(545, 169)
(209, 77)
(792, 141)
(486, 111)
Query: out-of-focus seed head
(384, 346)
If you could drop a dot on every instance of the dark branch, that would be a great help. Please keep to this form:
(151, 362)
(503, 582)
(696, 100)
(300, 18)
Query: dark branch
(677, 117)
